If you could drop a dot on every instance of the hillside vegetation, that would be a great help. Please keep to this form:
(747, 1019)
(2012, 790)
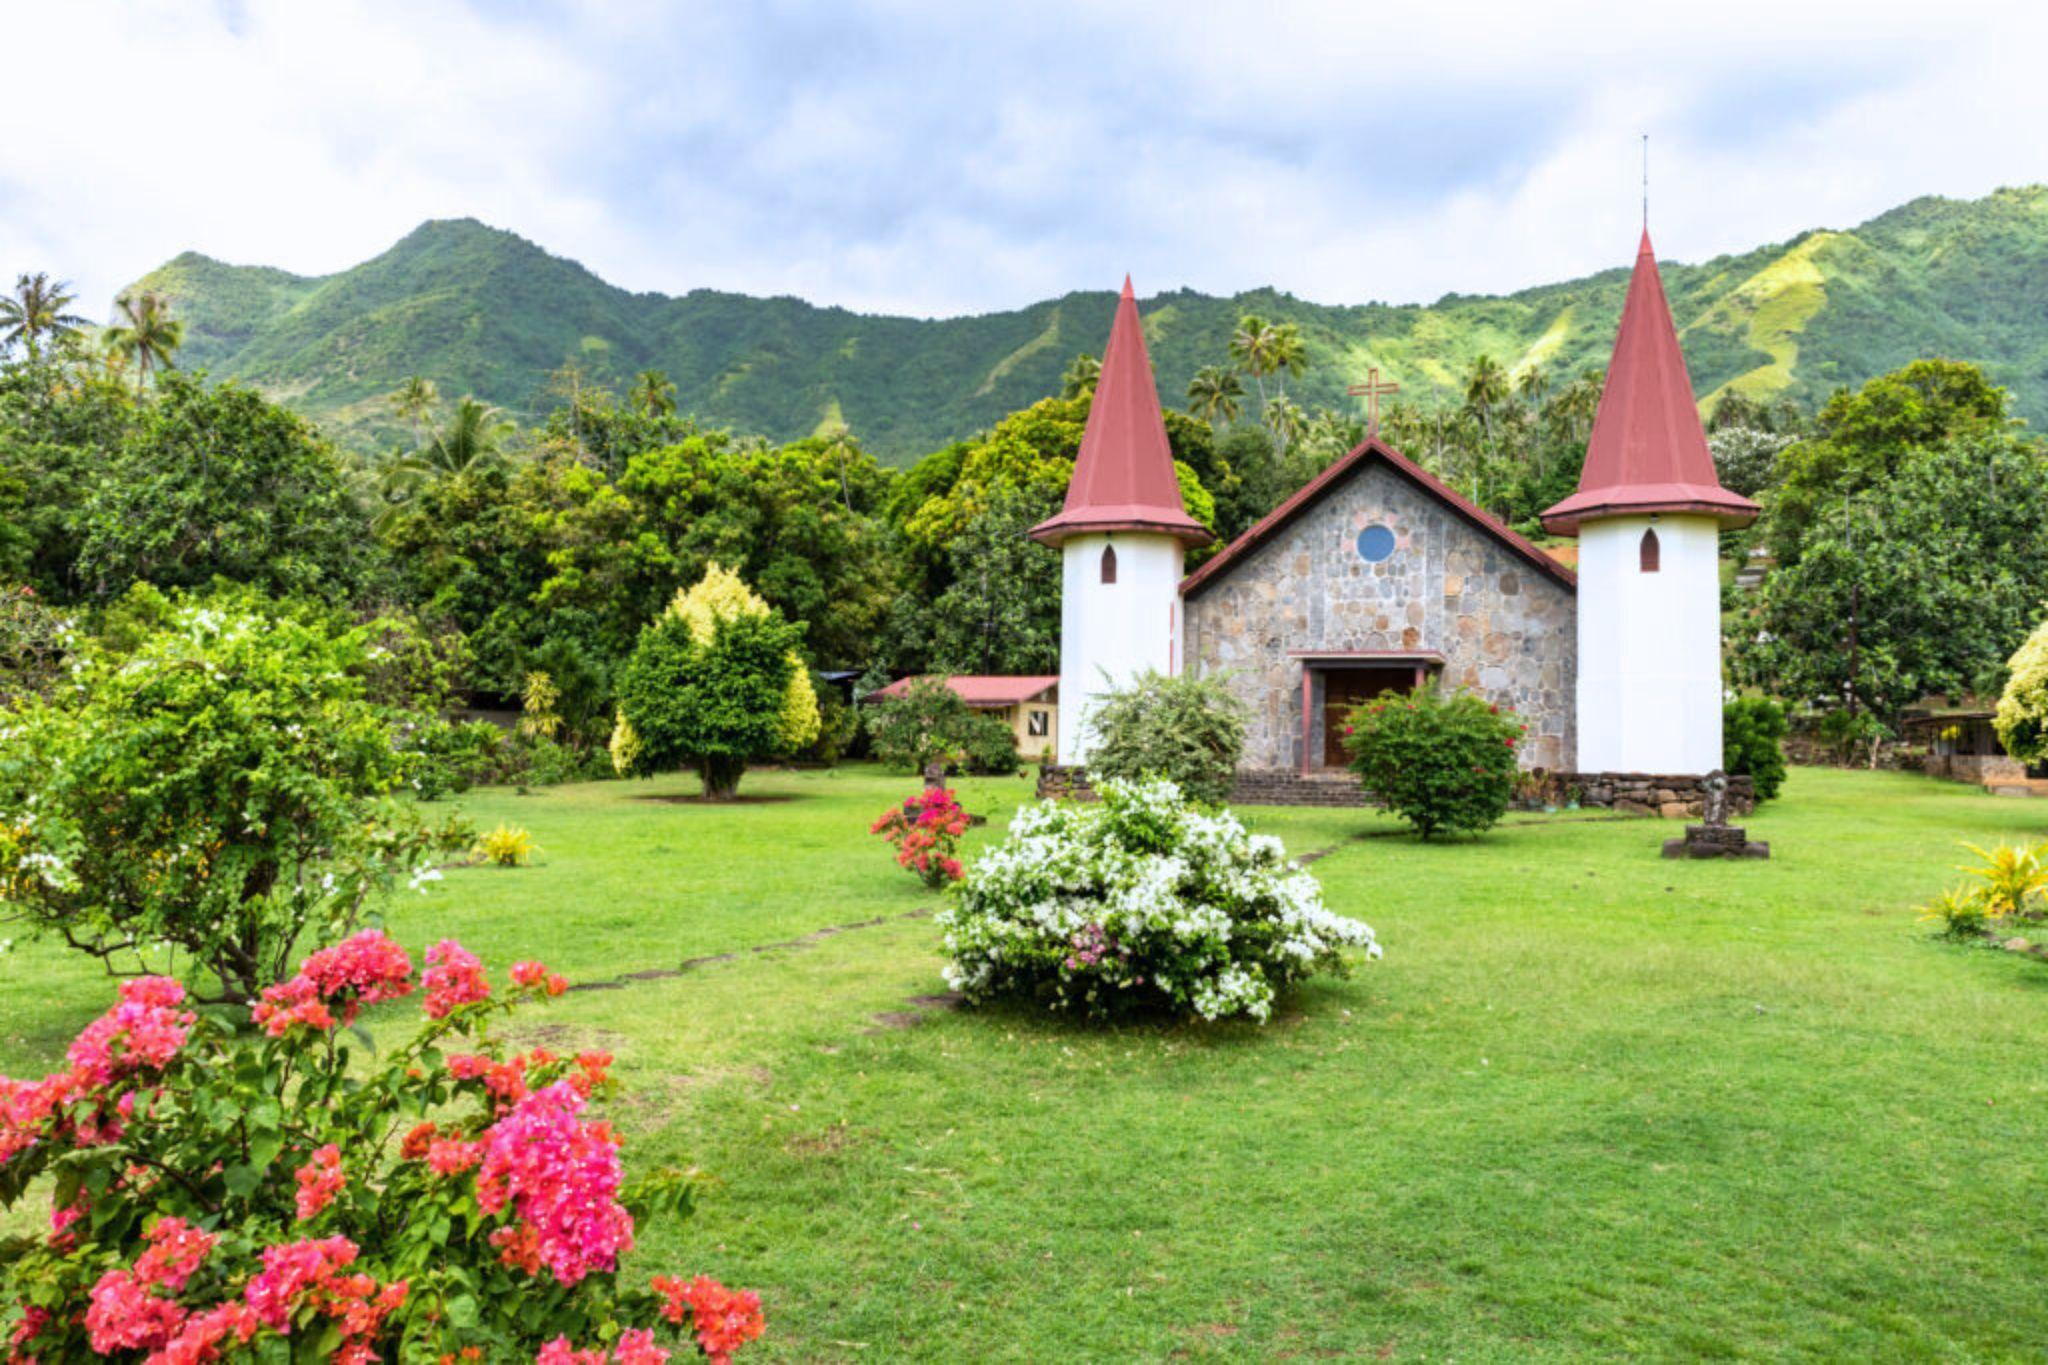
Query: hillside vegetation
(483, 311)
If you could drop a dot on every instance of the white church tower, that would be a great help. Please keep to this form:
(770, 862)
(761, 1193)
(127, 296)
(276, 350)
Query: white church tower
(1649, 513)
(1123, 535)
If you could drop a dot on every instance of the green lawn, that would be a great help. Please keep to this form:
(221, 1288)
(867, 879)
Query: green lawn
(1590, 1104)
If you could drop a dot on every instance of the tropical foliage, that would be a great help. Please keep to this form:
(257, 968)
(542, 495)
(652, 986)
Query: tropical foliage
(2022, 717)
(1141, 903)
(925, 830)
(492, 1230)
(1752, 743)
(1187, 730)
(1442, 761)
(200, 802)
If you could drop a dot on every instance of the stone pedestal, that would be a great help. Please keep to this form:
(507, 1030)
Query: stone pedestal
(1716, 841)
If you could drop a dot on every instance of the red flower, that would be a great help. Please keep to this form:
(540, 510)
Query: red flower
(320, 1179)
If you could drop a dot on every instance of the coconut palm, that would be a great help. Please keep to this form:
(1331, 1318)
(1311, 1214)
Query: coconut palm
(1081, 377)
(35, 311)
(1286, 353)
(653, 394)
(415, 400)
(1286, 420)
(1214, 393)
(473, 440)
(146, 335)
(1251, 346)
(1532, 386)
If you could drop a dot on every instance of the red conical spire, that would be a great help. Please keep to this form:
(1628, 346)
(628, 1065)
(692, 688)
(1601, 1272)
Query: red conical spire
(1647, 452)
(1123, 476)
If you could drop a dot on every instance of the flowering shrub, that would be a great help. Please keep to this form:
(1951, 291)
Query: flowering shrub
(239, 1193)
(926, 830)
(1141, 901)
(216, 793)
(506, 846)
(1442, 762)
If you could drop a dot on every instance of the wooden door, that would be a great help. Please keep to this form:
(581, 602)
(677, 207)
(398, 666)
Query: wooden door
(1344, 688)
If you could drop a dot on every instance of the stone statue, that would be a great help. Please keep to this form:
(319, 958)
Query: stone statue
(1715, 804)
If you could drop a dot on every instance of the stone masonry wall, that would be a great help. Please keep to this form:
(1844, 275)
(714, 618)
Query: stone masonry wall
(1504, 628)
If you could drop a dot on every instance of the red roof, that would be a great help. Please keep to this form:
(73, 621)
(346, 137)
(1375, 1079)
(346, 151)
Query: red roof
(1123, 476)
(984, 689)
(1647, 452)
(1372, 448)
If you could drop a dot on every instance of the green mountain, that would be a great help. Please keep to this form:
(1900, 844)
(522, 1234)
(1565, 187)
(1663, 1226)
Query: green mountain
(485, 312)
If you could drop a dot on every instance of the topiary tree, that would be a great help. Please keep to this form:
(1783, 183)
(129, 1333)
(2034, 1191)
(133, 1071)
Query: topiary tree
(255, 1188)
(715, 680)
(1444, 762)
(200, 802)
(2022, 719)
(1752, 742)
(1187, 730)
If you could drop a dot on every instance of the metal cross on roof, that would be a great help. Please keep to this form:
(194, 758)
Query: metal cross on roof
(1371, 390)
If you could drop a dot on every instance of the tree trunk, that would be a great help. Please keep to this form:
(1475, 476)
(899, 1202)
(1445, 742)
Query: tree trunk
(721, 775)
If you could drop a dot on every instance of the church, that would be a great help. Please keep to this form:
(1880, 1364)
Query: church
(1376, 577)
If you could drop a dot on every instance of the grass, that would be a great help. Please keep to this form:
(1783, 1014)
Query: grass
(1591, 1104)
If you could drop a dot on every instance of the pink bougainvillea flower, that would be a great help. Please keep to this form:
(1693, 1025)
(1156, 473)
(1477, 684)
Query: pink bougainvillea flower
(144, 1031)
(124, 1315)
(561, 1177)
(454, 977)
(560, 1352)
(176, 1251)
(636, 1347)
(320, 1179)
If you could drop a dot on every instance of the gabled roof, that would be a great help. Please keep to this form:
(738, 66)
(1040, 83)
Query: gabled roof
(1370, 449)
(1647, 452)
(985, 689)
(1123, 475)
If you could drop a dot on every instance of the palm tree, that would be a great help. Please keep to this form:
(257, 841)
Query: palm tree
(1251, 346)
(148, 334)
(1286, 353)
(653, 394)
(1214, 392)
(34, 311)
(1081, 377)
(1286, 420)
(1532, 386)
(473, 440)
(415, 400)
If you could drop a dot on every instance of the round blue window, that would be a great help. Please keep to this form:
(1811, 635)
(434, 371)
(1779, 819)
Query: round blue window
(1375, 543)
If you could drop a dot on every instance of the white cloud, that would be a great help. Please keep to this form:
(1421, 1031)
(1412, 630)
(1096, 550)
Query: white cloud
(924, 157)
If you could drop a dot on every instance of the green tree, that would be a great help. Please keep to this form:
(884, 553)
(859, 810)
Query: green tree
(147, 335)
(1862, 438)
(1215, 394)
(714, 681)
(1001, 612)
(216, 481)
(653, 394)
(416, 400)
(199, 802)
(1081, 376)
(34, 313)
(1923, 583)
(1251, 346)
(2022, 719)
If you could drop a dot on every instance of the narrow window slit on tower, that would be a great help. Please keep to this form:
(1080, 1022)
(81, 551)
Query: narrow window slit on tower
(1109, 563)
(1650, 552)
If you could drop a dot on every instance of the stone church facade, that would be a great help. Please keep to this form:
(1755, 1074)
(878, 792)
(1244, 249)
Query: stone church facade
(1373, 578)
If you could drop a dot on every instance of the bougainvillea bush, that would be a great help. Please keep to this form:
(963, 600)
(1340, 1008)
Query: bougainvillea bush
(1442, 761)
(264, 1192)
(926, 831)
(1141, 902)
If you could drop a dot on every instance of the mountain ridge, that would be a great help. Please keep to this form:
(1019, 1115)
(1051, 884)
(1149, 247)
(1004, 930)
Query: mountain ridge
(482, 310)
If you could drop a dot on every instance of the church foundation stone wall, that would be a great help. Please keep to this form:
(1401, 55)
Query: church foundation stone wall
(1502, 626)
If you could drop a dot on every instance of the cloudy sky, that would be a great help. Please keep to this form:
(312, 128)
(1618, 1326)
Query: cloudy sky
(947, 156)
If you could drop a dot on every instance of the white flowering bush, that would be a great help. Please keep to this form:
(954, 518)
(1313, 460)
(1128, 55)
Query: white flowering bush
(1141, 903)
